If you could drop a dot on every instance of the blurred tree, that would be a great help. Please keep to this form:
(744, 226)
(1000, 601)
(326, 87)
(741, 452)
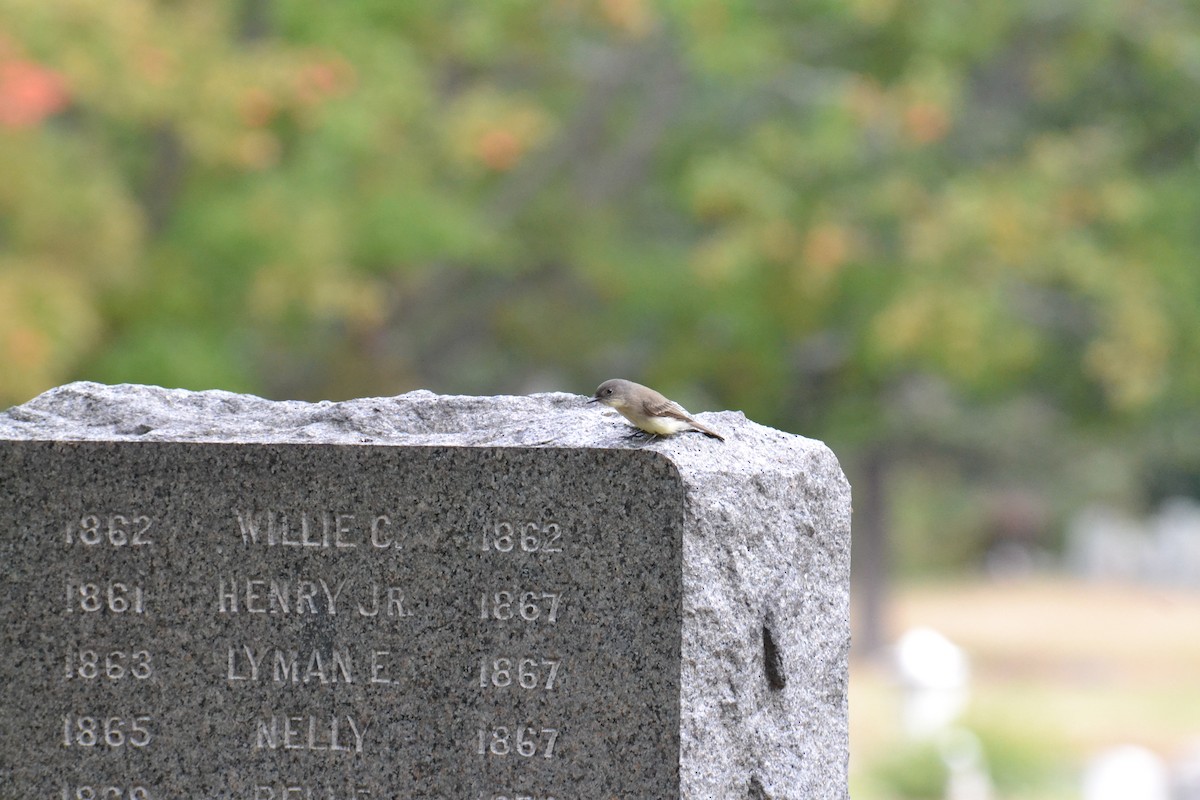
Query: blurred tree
(823, 213)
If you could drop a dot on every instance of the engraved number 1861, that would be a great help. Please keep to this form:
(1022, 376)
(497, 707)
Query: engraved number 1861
(115, 596)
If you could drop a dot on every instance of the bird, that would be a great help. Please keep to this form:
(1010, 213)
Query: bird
(648, 410)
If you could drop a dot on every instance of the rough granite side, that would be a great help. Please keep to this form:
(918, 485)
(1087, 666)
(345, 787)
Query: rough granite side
(766, 549)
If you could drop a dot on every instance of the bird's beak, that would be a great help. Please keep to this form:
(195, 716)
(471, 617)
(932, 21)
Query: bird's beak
(593, 399)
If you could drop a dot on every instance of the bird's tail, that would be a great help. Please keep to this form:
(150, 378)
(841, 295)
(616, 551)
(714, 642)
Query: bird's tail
(707, 431)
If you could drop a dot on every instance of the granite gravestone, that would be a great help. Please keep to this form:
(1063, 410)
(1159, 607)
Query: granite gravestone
(214, 595)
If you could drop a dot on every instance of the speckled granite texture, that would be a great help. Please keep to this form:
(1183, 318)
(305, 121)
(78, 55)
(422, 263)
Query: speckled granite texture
(215, 595)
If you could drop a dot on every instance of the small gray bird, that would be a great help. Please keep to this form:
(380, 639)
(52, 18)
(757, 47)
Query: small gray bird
(647, 409)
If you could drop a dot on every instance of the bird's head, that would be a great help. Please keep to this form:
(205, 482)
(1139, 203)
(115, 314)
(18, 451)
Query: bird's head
(611, 393)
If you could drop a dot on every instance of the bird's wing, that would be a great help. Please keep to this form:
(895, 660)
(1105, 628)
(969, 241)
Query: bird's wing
(662, 407)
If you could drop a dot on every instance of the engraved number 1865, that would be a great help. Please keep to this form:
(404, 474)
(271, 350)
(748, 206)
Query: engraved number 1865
(80, 731)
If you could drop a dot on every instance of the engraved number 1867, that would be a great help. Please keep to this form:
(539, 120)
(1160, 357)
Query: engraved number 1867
(526, 742)
(529, 606)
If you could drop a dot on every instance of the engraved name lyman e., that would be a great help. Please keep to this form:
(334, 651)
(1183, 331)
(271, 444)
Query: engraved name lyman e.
(315, 666)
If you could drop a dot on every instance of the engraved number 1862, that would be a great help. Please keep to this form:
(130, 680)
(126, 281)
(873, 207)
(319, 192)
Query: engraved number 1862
(117, 530)
(527, 537)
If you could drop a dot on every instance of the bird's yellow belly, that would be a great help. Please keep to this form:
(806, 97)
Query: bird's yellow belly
(662, 426)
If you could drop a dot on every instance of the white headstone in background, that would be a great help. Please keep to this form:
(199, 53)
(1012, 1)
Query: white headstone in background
(1126, 772)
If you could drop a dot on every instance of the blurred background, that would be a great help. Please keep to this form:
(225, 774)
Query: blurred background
(957, 240)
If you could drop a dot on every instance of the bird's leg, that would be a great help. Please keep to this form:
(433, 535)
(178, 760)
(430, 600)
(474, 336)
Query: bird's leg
(640, 438)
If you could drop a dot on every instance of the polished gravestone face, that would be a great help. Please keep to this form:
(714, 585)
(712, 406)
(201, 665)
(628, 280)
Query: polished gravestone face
(210, 595)
(266, 621)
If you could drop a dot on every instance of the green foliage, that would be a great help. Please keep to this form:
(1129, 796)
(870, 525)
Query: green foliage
(1017, 762)
(913, 771)
(1023, 762)
(793, 208)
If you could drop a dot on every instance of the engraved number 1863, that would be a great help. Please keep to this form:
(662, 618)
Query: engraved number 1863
(114, 666)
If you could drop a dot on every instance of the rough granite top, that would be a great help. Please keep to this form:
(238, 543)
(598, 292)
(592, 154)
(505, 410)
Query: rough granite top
(86, 411)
